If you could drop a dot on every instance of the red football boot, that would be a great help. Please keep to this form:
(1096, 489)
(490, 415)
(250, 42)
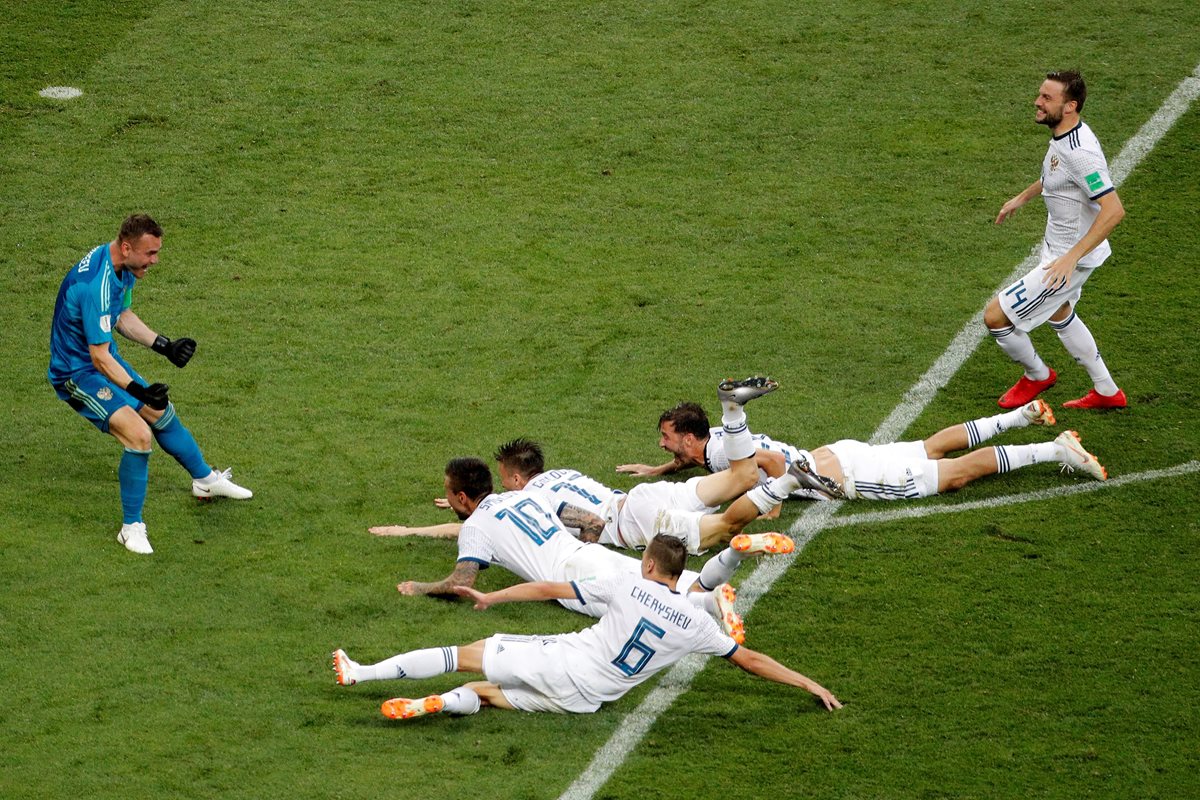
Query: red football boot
(1025, 390)
(1094, 399)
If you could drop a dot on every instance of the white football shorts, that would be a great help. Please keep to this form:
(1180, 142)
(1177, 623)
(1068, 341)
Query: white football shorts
(1028, 303)
(898, 471)
(531, 673)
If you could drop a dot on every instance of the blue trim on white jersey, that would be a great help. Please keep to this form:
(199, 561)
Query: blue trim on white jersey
(482, 564)
(578, 594)
(1106, 191)
(731, 652)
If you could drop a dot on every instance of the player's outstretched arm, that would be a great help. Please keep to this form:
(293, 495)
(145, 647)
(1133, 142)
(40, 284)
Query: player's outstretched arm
(1010, 208)
(464, 574)
(447, 530)
(520, 593)
(764, 666)
(646, 470)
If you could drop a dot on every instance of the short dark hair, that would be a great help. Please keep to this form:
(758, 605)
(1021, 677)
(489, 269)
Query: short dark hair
(136, 226)
(1073, 86)
(522, 456)
(669, 554)
(687, 418)
(470, 476)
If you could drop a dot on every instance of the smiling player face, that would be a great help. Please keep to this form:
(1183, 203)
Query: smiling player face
(1050, 104)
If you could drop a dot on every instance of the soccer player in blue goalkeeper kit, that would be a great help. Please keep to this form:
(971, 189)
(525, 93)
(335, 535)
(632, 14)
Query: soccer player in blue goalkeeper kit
(89, 374)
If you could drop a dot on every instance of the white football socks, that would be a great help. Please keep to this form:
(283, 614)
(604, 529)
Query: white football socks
(980, 430)
(1015, 456)
(1080, 343)
(462, 700)
(418, 664)
(1019, 347)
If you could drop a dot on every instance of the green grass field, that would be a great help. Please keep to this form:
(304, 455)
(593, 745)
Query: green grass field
(403, 232)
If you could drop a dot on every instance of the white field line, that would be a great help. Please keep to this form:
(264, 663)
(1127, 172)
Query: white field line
(912, 512)
(678, 679)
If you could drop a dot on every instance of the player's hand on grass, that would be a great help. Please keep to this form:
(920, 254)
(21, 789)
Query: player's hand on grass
(392, 530)
(154, 395)
(178, 351)
(637, 470)
(408, 588)
(480, 599)
(825, 696)
(441, 502)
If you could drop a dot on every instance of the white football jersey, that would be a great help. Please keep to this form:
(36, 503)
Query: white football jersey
(1074, 176)
(646, 629)
(520, 532)
(563, 487)
(715, 459)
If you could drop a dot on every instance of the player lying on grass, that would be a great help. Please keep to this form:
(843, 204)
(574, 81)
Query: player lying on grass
(526, 535)
(854, 470)
(648, 626)
(687, 510)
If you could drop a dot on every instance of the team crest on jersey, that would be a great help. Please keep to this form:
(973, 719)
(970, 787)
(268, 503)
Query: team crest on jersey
(105, 393)
(1053, 163)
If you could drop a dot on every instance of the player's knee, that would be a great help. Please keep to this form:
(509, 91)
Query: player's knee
(993, 315)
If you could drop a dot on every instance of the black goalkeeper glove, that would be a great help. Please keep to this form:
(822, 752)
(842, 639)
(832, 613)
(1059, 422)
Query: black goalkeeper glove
(179, 351)
(154, 395)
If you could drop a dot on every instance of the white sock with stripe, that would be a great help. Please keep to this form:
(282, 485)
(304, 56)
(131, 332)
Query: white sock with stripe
(980, 430)
(717, 570)
(418, 664)
(1080, 343)
(1019, 347)
(737, 441)
(1015, 456)
(766, 496)
(462, 700)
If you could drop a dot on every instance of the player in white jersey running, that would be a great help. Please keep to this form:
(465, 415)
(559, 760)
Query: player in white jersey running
(1082, 209)
(849, 469)
(647, 628)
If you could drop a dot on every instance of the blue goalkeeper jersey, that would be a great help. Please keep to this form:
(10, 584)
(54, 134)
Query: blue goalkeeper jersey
(90, 300)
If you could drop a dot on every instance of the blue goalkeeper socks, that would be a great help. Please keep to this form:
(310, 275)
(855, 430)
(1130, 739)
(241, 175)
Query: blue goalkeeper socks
(134, 474)
(177, 440)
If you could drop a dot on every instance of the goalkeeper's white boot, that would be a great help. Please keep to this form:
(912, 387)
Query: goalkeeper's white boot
(133, 536)
(742, 392)
(219, 484)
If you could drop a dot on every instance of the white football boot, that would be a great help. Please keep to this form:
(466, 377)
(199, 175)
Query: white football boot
(133, 536)
(219, 484)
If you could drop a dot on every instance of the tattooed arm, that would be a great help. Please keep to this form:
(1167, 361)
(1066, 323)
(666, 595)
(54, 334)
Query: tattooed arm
(464, 574)
(589, 524)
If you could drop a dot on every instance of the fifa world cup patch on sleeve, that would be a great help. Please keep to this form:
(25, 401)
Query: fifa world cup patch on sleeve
(106, 323)
(1094, 182)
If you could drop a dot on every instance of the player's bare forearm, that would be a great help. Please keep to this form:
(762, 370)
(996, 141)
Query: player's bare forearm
(590, 526)
(130, 326)
(647, 471)
(764, 666)
(447, 530)
(520, 593)
(1009, 208)
(108, 366)
(464, 574)
(1112, 211)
